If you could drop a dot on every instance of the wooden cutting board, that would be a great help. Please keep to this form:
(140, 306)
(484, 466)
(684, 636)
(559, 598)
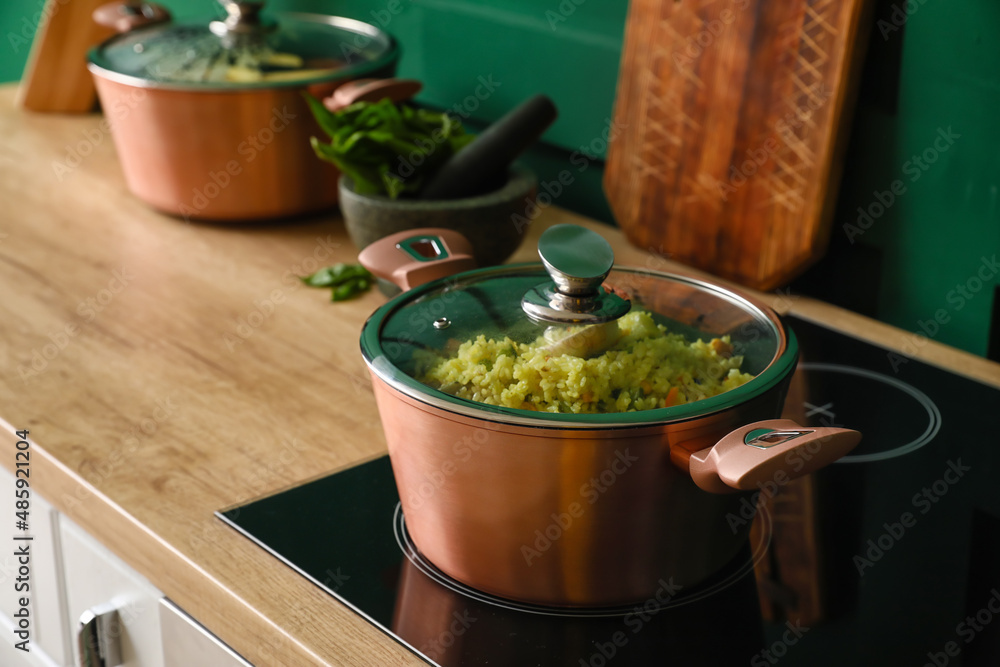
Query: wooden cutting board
(56, 77)
(729, 130)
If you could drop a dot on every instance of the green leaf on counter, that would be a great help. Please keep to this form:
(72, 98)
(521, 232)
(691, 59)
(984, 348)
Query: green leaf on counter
(322, 278)
(333, 275)
(347, 280)
(350, 289)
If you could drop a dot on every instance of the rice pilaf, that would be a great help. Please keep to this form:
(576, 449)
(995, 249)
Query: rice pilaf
(648, 367)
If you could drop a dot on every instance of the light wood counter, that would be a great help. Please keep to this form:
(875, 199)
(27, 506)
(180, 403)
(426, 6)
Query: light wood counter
(158, 396)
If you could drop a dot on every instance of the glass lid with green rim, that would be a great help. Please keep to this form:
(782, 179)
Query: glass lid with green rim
(575, 339)
(245, 50)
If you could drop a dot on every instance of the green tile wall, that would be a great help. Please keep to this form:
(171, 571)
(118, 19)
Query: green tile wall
(936, 235)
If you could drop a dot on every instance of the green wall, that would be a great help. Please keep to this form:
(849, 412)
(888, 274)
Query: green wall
(935, 236)
(909, 265)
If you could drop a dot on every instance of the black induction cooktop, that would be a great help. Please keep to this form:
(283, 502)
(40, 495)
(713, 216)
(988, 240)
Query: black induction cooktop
(889, 557)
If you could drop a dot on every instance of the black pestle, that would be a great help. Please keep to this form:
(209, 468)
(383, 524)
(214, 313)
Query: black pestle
(482, 165)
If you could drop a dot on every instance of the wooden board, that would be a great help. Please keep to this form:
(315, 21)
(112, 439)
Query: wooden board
(56, 77)
(729, 130)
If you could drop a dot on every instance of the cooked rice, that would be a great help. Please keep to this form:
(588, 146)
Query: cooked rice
(647, 368)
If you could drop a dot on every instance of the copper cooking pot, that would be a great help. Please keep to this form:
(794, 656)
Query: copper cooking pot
(209, 119)
(567, 509)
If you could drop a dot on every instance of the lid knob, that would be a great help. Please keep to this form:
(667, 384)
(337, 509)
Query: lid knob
(243, 16)
(578, 260)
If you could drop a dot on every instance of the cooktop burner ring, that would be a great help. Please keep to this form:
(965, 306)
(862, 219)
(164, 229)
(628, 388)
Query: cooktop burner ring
(410, 551)
(933, 413)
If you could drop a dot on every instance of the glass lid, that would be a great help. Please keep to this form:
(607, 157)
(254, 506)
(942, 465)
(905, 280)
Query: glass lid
(246, 50)
(574, 338)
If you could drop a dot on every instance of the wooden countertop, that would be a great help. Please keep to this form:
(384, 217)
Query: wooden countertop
(131, 347)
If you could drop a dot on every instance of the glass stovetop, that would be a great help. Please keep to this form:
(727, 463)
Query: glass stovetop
(889, 557)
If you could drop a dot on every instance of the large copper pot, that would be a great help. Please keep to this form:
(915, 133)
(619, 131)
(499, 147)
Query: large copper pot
(577, 509)
(203, 135)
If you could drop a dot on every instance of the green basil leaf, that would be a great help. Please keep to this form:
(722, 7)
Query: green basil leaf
(322, 278)
(387, 149)
(349, 289)
(325, 118)
(337, 274)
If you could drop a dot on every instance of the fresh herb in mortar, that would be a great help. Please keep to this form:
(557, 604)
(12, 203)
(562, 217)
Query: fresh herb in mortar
(386, 149)
(347, 280)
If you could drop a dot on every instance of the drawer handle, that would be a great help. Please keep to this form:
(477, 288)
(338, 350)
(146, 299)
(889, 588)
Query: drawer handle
(100, 637)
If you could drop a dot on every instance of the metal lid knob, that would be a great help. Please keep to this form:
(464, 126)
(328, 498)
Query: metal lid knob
(243, 17)
(578, 260)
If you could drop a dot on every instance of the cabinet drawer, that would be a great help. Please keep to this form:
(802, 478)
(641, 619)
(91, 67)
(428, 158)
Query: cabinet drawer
(96, 577)
(12, 657)
(46, 607)
(188, 644)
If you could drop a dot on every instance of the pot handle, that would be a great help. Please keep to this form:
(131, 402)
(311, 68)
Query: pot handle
(129, 15)
(372, 90)
(417, 256)
(773, 451)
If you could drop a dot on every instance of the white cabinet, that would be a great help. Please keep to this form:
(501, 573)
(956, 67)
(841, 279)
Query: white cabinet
(95, 577)
(12, 657)
(187, 644)
(71, 573)
(46, 607)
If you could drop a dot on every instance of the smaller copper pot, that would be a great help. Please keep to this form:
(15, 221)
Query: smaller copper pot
(226, 150)
(577, 509)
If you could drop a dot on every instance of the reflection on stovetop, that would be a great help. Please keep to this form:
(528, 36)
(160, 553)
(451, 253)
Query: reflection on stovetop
(452, 629)
(668, 595)
(889, 557)
(440, 617)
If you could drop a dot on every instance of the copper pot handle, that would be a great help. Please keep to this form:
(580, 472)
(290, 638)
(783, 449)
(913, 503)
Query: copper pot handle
(129, 15)
(417, 256)
(372, 90)
(771, 452)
